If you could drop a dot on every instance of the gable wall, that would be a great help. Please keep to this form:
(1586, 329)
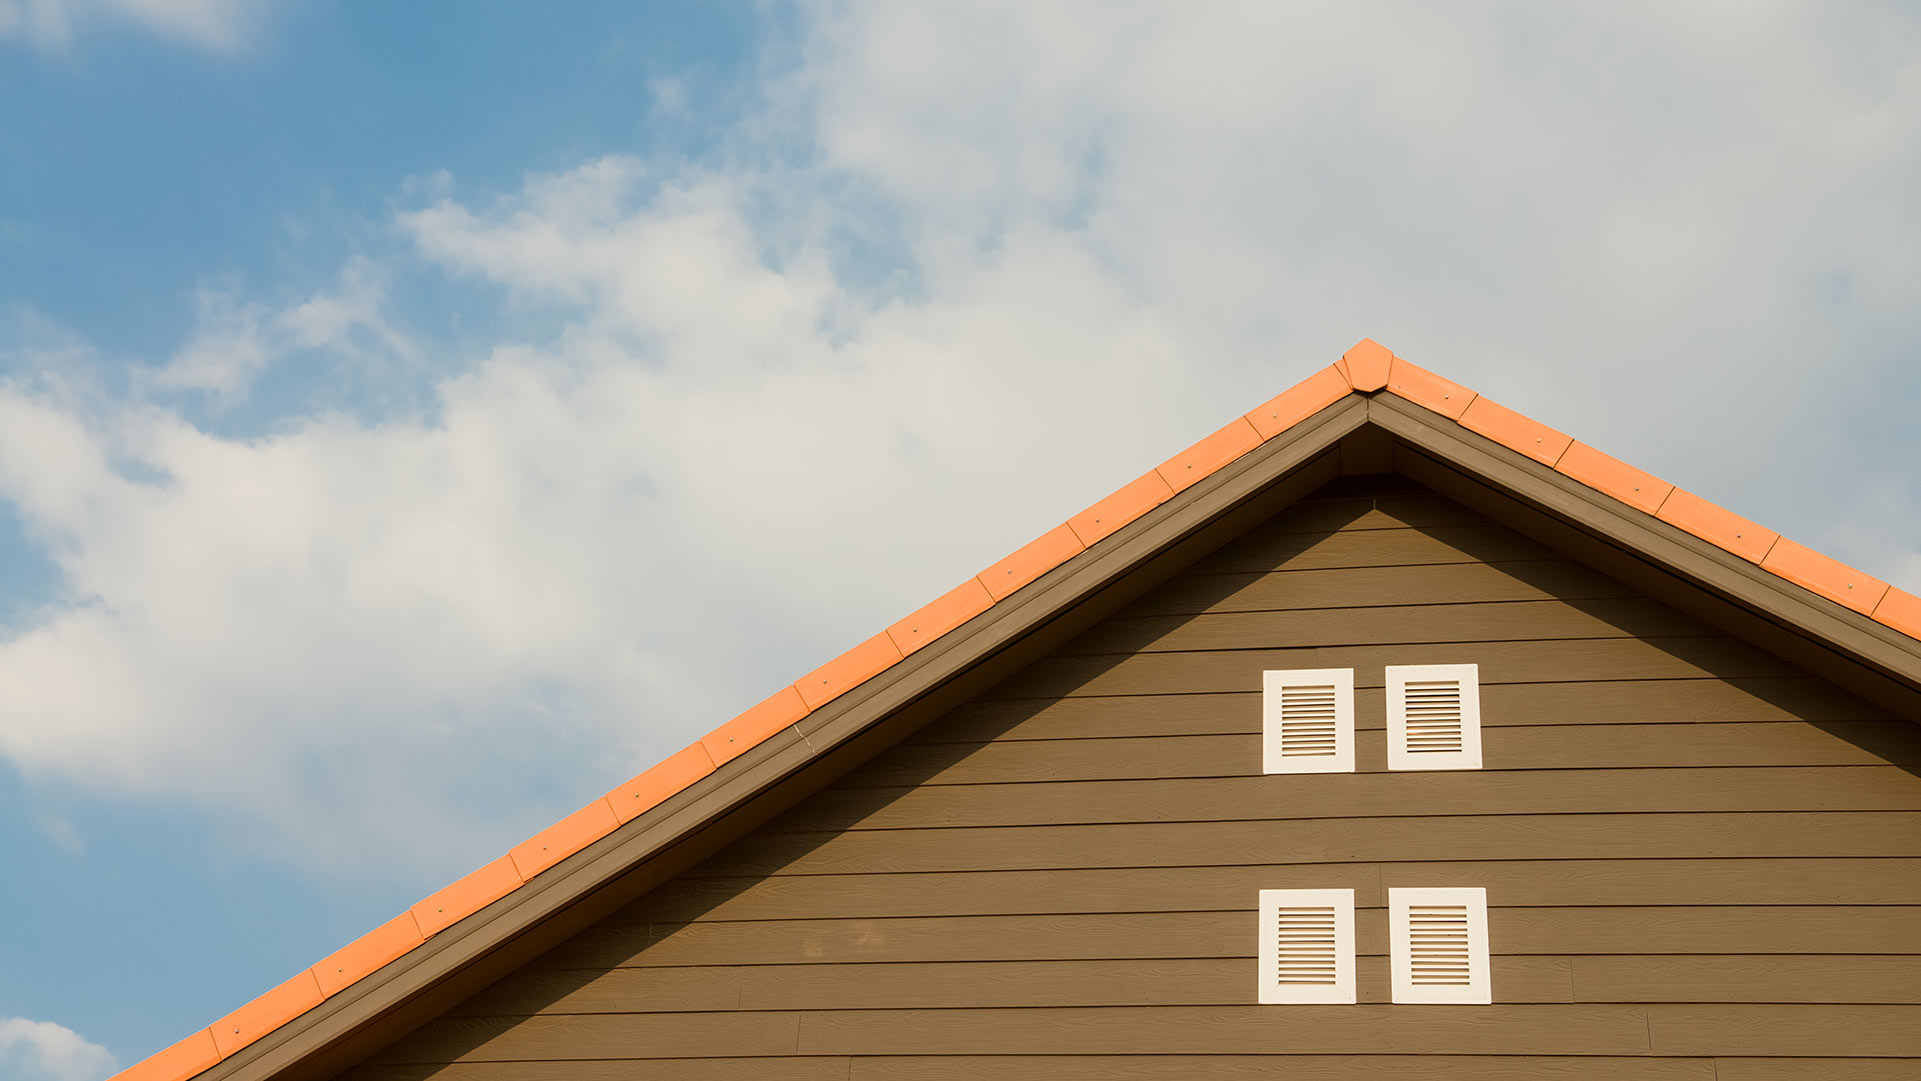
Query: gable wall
(1697, 859)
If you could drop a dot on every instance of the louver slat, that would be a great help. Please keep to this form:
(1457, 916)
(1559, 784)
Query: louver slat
(1308, 721)
(1306, 946)
(1440, 946)
(1434, 716)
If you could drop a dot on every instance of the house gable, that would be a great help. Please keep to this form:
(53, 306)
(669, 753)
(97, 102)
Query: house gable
(1371, 413)
(1691, 850)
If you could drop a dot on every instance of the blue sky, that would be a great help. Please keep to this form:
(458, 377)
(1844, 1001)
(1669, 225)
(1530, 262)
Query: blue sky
(416, 419)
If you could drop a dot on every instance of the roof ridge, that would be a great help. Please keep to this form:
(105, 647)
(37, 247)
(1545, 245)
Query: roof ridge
(1367, 368)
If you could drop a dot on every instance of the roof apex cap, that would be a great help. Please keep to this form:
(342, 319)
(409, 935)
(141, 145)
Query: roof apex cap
(1366, 365)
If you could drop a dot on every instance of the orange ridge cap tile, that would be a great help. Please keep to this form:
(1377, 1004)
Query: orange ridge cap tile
(1427, 390)
(943, 614)
(1201, 460)
(1299, 402)
(564, 838)
(453, 903)
(651, 787)
(194, 1055)
(849, 670)
(751, 729)
(266, 1013)
(1900, 610)
(1030, 561)
(1827, 576)
(1610, 476)
(371, 951)
(1130, 501)
(1715, 524)
(1366, 365)
(1515, 431)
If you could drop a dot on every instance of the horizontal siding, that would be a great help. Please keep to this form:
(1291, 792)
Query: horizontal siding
(1838, 929)
(1185, 981)
(1666, 701)
(1700, 862)
(1537, 883)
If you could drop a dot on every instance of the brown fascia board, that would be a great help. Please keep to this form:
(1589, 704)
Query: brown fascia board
(617, 869)
(1670, 564)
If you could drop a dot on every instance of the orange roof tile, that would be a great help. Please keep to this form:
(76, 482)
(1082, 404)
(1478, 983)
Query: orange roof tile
(1366, 368)
(1110, 515)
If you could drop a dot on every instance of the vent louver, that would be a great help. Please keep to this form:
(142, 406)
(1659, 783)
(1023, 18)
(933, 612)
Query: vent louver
(1307, 946)
(1434, 716)
(1439, 948)
(1308, 721)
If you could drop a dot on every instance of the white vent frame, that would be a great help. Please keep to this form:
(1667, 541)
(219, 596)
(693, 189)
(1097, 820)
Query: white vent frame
(1409, 985)
(1279, 734)
(1339, 925)
(1402, 756)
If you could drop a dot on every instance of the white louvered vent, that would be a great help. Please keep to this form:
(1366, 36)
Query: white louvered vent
(1307, 946)
(1307, 721)
(1434, 716)
(1439, 947)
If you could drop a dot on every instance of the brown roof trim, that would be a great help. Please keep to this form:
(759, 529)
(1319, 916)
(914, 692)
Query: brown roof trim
(552, 880)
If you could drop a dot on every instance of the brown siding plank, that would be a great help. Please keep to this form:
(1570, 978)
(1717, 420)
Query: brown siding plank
(1598, 746)
(1397, 625)
(1837, 1031)
(1216, 799)
(1579, 660)
(572, 1036)
(1368, 840)
(1664, 701)
(1293, 1068)
(1779, 979)
(1219, 799)
(953, 985)
(1211, 1030)
(1268, 550)
(1536, 883)
(1814, 1069)
(1564, 931)
(1366, 587)
(783, 1068)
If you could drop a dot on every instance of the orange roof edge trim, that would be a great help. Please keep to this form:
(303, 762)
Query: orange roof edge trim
(1611, 476)
(190, 1056)
(266, 1013)
(463, 898)
(751, 729)
(1366, 368)
(1900, 610)
(1515, 431)
(1831, 578)
(1205, 458)
(650, 788)
(371, 951)
(564, 838)
(1427, 390)
(1117, 511)
(1030, 561)
(943, 614)
(849, 670)
(1717, 525)
(1299, 402)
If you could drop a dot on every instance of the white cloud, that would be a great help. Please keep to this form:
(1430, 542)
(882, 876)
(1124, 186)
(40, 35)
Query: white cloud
(235, 342)
(383, 642)
(220, 25)
(44, 1051)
